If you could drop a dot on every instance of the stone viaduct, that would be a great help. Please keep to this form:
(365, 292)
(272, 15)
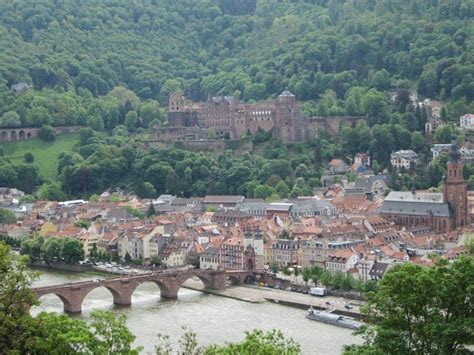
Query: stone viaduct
(169, 282)
(16, 134)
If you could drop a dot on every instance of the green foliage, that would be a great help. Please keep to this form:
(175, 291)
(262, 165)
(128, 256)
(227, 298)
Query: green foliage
(258, 342)
(422, 310)
(32, 248)
(29, 158)
(246, 47)
(10, 119)
(15, 298)
(94, 198)
(47, 133)
(82, 223)
(7, 216)
(151, 210)
(52, 192)
(46, 154)
(50, 250)
(120, 59)
(469, 243)
(443, 134)
(50, 333)
(13, 242)
(134, 212)
(255, 342)
(68, 250)
(71, 251)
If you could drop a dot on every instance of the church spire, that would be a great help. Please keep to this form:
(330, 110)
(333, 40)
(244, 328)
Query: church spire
(454, 155)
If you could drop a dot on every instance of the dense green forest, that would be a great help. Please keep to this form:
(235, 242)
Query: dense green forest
(111, 65)
(76, 53)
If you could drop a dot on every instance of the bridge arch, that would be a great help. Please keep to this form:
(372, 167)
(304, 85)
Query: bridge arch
(13, 136)
(22, 134)
(117, 295)
(164, 289)
(204, 278)
(234, 280)
(5, 137)
(52, 299)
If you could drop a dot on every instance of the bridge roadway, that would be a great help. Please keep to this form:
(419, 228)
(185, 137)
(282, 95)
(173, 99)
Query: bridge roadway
(72, 294)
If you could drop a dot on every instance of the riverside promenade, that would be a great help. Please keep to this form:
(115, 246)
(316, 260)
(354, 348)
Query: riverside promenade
(259, 294)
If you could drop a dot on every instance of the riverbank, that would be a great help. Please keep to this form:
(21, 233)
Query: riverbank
(257, 294)
(60, 266)
(216, 319)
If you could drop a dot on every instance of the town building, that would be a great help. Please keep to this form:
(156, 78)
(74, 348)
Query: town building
(440, 211)
(467, 155)
(341, 261)
(404, 159)
(209, 259)
(439, 148)
(362, 159)
(466, 122)
(173, 255)
(285, 252)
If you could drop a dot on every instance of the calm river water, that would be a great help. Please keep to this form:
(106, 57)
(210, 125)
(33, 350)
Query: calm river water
(214, 319)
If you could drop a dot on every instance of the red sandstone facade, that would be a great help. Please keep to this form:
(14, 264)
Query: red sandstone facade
(226, 117)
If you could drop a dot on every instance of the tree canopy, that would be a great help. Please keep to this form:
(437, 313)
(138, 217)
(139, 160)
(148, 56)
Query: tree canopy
(121, 57)
(420, 310)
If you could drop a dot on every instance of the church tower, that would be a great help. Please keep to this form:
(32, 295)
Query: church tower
(455, 188)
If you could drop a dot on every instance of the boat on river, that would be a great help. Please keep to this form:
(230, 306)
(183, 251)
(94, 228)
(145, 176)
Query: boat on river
(331, 318)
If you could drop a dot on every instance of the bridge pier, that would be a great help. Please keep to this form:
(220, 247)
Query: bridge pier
(72, 308)
(170, 290)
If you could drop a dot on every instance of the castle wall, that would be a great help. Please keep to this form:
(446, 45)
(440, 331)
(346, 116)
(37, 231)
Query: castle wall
(224, 117)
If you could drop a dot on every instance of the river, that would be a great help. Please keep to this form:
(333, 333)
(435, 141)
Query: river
(214, 319)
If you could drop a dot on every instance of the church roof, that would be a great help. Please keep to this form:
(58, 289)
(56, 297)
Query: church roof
(409, 196)
(418, 204)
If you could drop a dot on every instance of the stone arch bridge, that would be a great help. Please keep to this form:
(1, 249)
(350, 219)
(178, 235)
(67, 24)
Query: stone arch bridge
(16, 134)
(73, 294)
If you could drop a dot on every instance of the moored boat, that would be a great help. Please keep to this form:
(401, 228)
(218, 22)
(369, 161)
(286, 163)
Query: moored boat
(331, 318)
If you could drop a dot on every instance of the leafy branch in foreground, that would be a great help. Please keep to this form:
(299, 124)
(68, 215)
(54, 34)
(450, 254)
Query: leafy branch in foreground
(255, 342)
(419, 310)
(50, 333)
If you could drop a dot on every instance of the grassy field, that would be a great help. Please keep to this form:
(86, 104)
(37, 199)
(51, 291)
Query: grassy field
(45, 153)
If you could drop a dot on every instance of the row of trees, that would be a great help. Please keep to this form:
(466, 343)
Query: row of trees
(339, 281)
(67, 250)
(102, 161)
(58, 108)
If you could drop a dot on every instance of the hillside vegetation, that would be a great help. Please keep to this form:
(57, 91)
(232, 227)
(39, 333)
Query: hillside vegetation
(110, 65)
(252, 49)
(46, 154)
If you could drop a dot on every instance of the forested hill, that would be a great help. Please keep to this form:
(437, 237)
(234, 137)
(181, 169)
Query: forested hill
(244, 47)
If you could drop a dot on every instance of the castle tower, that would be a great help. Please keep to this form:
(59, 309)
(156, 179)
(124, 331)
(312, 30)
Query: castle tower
(176, 102)
(455, 188)
(288, 118)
